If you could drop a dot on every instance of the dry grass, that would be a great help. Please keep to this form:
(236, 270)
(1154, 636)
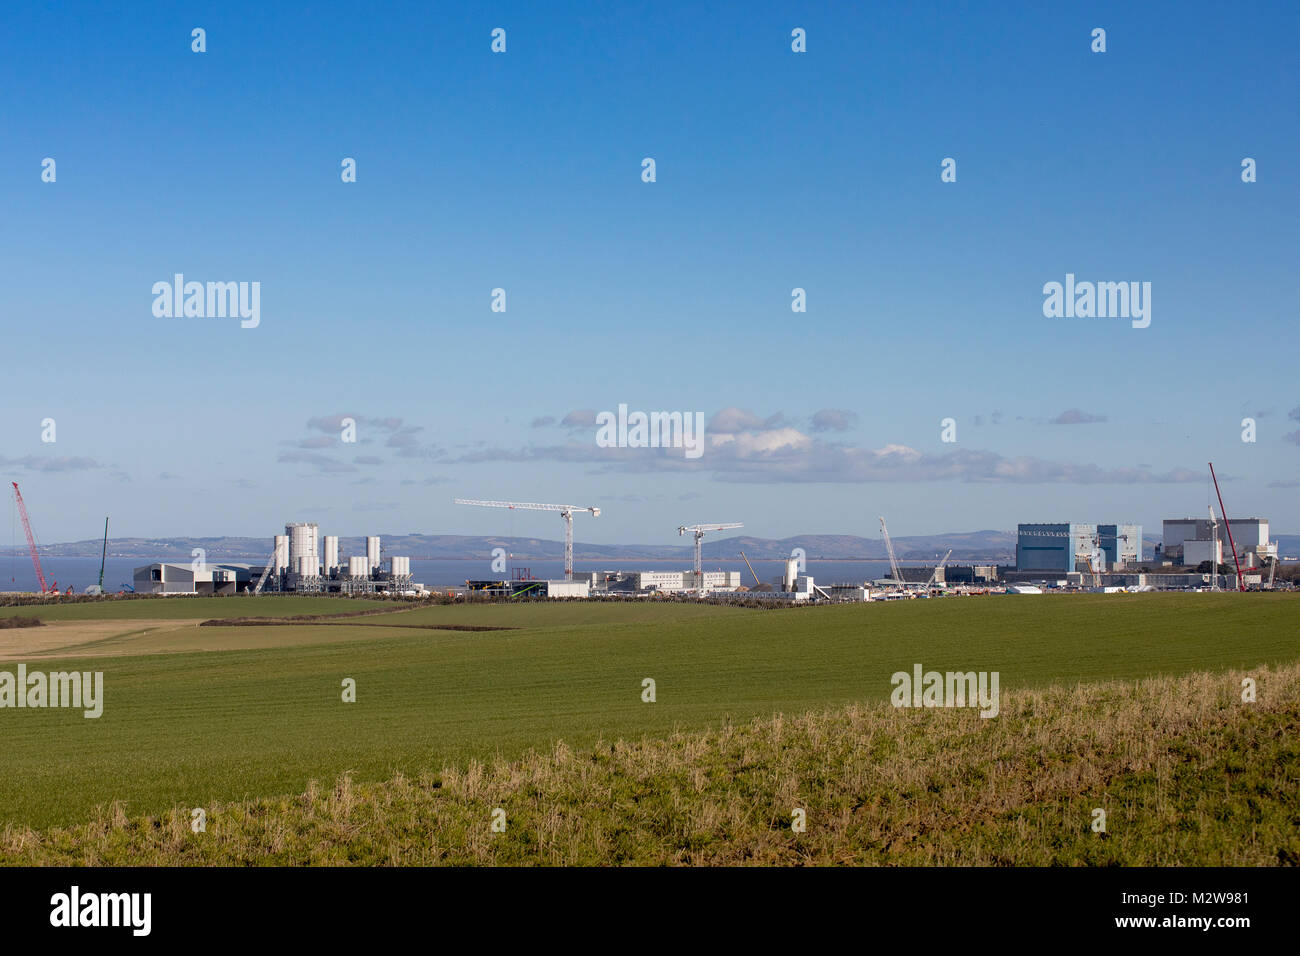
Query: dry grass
(1187, 773)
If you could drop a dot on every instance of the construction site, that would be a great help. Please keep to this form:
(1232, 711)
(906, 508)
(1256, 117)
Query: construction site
(1050, 556)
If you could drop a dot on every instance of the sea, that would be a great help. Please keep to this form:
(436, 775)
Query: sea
(17, 573)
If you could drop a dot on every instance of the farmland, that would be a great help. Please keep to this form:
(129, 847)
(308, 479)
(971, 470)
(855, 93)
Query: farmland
(205, 716)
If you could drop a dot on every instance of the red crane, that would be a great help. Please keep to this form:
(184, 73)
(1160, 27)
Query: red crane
(31, 542)
(1241, 586)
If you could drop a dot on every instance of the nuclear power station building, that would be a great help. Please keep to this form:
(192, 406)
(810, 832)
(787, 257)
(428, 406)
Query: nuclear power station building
(1190, 541)
(1066, 547)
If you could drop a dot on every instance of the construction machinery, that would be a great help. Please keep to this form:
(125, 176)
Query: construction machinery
(757, 582)
(103, 555)
(934, 578)
(1241, 584)
(566, 512)
(31, 544)
(699, 530)
(99, 588)
(266, 571)
(893, 561)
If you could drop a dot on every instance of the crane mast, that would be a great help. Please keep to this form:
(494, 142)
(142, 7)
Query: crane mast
(698, 530)
(31, 541)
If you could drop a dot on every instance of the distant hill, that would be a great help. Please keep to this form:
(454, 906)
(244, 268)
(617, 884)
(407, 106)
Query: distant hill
(976, 545)
(1288, 545)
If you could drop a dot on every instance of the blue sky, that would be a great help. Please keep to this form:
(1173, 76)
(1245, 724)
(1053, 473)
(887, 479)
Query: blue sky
(522, 170)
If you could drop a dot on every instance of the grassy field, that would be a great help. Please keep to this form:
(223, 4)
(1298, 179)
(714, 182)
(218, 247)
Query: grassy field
(1184, 771)
(239, 721)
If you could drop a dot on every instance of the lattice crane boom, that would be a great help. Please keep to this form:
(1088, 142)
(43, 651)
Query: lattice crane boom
(1241, 584)
(889, 547)
(939, 567)
(31, 540)
(566, 512)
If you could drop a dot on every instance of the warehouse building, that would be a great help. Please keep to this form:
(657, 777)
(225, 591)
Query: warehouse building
(177, 577)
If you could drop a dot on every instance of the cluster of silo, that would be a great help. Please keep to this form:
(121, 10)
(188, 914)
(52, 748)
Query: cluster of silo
(298, 563)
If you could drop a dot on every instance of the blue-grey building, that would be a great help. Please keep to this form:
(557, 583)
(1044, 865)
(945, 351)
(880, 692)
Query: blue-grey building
(1121, 544)
(1063, 547)
(1050, 546)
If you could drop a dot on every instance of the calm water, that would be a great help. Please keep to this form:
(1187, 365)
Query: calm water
(16, 573)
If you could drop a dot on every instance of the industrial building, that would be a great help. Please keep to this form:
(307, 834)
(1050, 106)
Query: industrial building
(167, 577)
(682, 580)
(1190, 541)
(1060, 548)
(531, 588)
(609, 583)
(294, 566)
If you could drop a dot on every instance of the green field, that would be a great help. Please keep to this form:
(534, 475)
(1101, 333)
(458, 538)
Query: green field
(188, 728)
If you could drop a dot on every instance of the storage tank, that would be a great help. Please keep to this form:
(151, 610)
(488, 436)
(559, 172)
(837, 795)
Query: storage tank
(306, 565)
(791, 574)
(400, 566)
(372, 552)
(358, 567)
(331, 552)
(302, 542)
(281, 553)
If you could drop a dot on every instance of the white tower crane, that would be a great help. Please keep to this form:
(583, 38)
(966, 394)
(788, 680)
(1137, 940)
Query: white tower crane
(893, 561)
(698, 530)
(1214, 550)
(566, 512)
